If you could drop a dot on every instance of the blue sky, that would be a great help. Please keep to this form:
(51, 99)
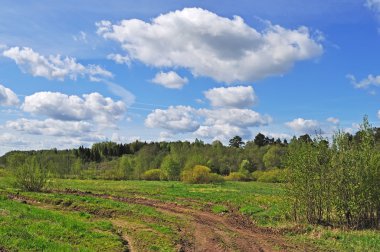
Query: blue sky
(78, 72)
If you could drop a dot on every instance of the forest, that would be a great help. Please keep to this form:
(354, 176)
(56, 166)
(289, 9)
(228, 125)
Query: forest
(261, 157)
(109, 160)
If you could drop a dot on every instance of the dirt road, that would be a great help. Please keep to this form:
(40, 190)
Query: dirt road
(206, 231)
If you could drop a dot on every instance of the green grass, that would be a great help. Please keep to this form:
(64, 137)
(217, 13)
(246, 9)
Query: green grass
(69, 222)
(27, 228)
(219, 209)
(341, 240)
(156, 225)
(269, 198)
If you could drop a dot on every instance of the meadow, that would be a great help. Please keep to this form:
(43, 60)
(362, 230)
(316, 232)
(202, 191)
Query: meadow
(104, 215)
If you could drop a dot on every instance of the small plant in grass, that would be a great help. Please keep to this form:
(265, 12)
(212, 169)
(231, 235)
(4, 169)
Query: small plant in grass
(32, 175)
(219, 209)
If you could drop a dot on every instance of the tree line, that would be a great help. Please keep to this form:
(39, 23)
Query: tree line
(109, 160)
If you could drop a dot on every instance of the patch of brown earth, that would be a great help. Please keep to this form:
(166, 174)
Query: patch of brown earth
(211, 232)
(206, 231)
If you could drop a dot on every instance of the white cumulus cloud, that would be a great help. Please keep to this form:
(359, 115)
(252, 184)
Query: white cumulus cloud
(222, 132)
(50, 127)
(237, 117)
(119, 59)
(219, 124)
(89, 107)
(304, 126)
(222, 124)
(7, 139)
(371, 80)
(178, 119)
(170, 80)
(53, 66)
(231, 97)
(8, 97)
(227, 50)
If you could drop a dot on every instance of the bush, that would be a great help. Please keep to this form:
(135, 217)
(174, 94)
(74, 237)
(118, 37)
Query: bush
(237, 176)
(256, 175)
(3, 173)
(271, 176)
(31, 176)
(200, 175)
(153, 174)
(171, 168)
(336, 183)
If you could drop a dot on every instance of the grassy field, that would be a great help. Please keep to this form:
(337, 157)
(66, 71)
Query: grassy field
(97, 215)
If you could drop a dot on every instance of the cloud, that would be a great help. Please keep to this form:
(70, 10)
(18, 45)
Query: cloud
(51, 127)
(8, 97)
(373, 5)
(227, 50)
(170, 80)
(127, 97)
(333, 120)
(354, 128)
(219, 124)
(123, 139)
(222, 132)
(231, 97)
(89, 107)
(365, 83)
(165, 136)
(180, 119)
(11, 140)
(222, 124)
(237, 117)
(81, 37)
(119, 59)
(54, 66)
(276, 135)
(303, 126)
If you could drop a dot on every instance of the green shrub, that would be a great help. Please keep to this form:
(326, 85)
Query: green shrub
(171, 168)
(256, 175)
(153, 174)
(200, 175)
(31, 176)
(336, 183)
(237, 176)
(271, 176)
(3, 172)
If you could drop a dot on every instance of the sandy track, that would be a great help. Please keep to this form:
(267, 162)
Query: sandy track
(206, 231)
(209, 231)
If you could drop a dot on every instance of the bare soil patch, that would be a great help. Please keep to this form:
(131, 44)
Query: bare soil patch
(212, 232)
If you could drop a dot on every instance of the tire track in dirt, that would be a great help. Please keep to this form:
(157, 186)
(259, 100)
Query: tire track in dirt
(211, 232)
